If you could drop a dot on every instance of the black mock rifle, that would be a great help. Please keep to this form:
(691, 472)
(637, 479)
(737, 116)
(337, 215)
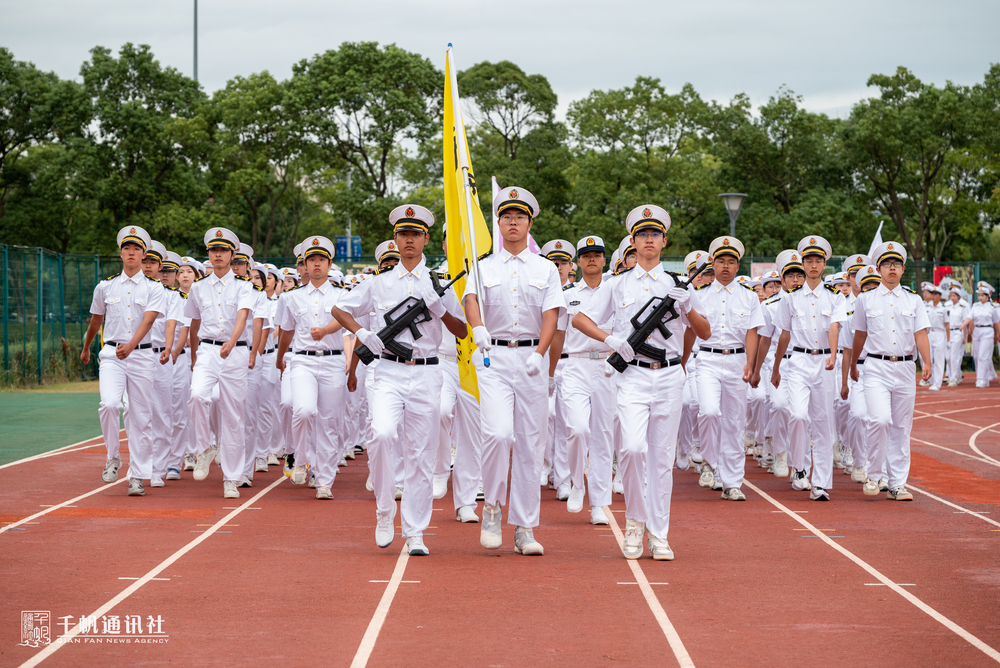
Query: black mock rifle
(661, 311)
(407, 314)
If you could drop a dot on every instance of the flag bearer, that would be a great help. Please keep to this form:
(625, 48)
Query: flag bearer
(514, 325)
(127, 304)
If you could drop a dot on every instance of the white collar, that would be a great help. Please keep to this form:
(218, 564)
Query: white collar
(653, 273)
(228, 276)
(522, 256)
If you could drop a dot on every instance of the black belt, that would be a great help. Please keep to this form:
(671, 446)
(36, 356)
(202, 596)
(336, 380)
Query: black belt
(723, 351)
(891, 358)
(419, 361)
(655, 365)
(141, 346)
(812, 351)
(319, 353)
(159, 350)
(861, 361)
(183, 350)
(786, 356)
(269, 351)
(222, 343)
(984, 325)
(955, 329)
(526, 343)
(564, 356)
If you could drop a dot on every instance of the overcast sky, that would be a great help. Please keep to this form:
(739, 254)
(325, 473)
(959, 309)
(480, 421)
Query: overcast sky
(824, 51)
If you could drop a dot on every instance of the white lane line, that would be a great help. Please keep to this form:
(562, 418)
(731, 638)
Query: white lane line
(963, 400)
(972, 442)
(898, 584)
(65, 504)
(957, 452)
(964, 424)
(953, 505)
(59, 451)
(920, 605)
(375, 625)
(680, 652)
(134, 587)
(649, 583)
(960, 410)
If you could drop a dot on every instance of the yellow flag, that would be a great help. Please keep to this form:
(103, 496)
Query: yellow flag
(461, 255)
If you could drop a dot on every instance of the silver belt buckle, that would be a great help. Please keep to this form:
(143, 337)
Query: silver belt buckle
(410, 362)
(595, 355)
(726, 351)
(815, 351)
(893, 358)
(654, 365)
(512, 344)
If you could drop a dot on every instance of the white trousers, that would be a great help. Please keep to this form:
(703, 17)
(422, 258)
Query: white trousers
(687, 432)
(230, 377)
(939, 348)
(810, 403)
(956, 351)
(982, 353)
(163, 386)
(405, 407)
(180, 432)
(269, 396)
(890, 390)
(556, 454)
(134, 375)
(588, 403)
(514, 407)
(317, 408)
(460, 425)
(860, 425)
(251, 415)
(722, 414)
(777, 400)
(649, 403)
(283, 428)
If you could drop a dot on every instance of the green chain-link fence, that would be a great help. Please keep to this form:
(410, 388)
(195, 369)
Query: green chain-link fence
(46, 305)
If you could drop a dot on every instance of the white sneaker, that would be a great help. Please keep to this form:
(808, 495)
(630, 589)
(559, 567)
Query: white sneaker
(525, 543)
(272, 459)
(717, 482)
(837, 455)
(490, 536)
(173, 474)
(384, 529)
(440, 486)
(260, 464)
(350, 454)
(659, 549)
(870, 488)
(481, 494)
(246, 481)
(299, 475)
(758, 450)
(312, 480)
(323, 493)
(858, 474)
(952, 383)
(899, 493)
(110, 473)
(368, 484)
(800, 482)
(617, 486)
(218, 457)
(934, 388)
(415, 547)
(203, 464)
(683, 462)
(734, 494)
(819, 494)
(156, 481)
(544, 480)
(924, 383)
(466, 514)
(188, 462)
(562, 492)
(597, 516)
(229, 490)
(343, 462)
(632, 545)
(696, 456)
(575, 502)
(707, 477)
(781, 465)
(399, 493)
(135, 487)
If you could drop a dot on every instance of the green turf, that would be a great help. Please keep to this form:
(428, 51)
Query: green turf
(35, 422)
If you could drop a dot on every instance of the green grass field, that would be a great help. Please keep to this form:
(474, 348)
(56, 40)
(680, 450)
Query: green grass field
(45, 418)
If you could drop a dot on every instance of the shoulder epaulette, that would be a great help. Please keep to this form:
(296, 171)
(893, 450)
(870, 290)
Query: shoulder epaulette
(831, 288)
(797, 287)
(113, 276)
(622, 271)
(748, 287)
(443, 275)
(774, 299)
(851, 312)
(172, 287)
(202, 278)
(486, 254)
(677, 277)
(242, 278)
(379, 272)
(569, 285)
(702, 286)
(910, 290)
(291, 289)
(155, 280)
(258, 288)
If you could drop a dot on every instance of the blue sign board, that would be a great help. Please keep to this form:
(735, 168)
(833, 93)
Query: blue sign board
(342, 247)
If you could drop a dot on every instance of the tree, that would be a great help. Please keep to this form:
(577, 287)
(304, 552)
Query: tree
(358, 105)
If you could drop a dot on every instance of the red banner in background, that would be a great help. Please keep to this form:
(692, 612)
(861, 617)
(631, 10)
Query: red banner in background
(941, 272)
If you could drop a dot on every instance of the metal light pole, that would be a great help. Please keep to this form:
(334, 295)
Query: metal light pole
(733, 202)
(195, 40)
(350, 237)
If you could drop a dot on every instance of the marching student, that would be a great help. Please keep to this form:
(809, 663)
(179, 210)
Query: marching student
(316, 369)
(270, 432)
(182, 457)
(405, 394)
(513, 326)
(252, 335)
(725, 366)
(167, 453)
(957, 312)
(982, 319)
(556, 462)
(219, 305)
(127, 304)
(939, 336)
(890, 325)
(649, 391)
(854, 425)
(587, 393)
(688, 442)
(804, 316)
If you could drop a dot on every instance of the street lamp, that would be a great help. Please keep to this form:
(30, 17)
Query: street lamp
(733, 202)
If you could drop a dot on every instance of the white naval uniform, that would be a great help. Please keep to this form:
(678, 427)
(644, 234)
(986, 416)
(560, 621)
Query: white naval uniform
(937, 337)
(807, 315)
(163, 424)
(587, 396)
(516, 291)
(268, 432)
(842, 408)
(405, 397)
(649, 400)
(251, 406)
(180, 432)
(956, 346)
(216, 302)
(282, 429)
(319, 381)
(732, 311)
(123, 301)
(891, 318)
(777, 397)
(983, 316)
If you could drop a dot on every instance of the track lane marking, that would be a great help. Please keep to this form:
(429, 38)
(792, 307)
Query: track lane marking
(953, 505)
(65, 504)
(151, 575)
(910, 598)
(63, 450)
(957, 452)
(680, 652)
(972, 442)
(378, 619)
